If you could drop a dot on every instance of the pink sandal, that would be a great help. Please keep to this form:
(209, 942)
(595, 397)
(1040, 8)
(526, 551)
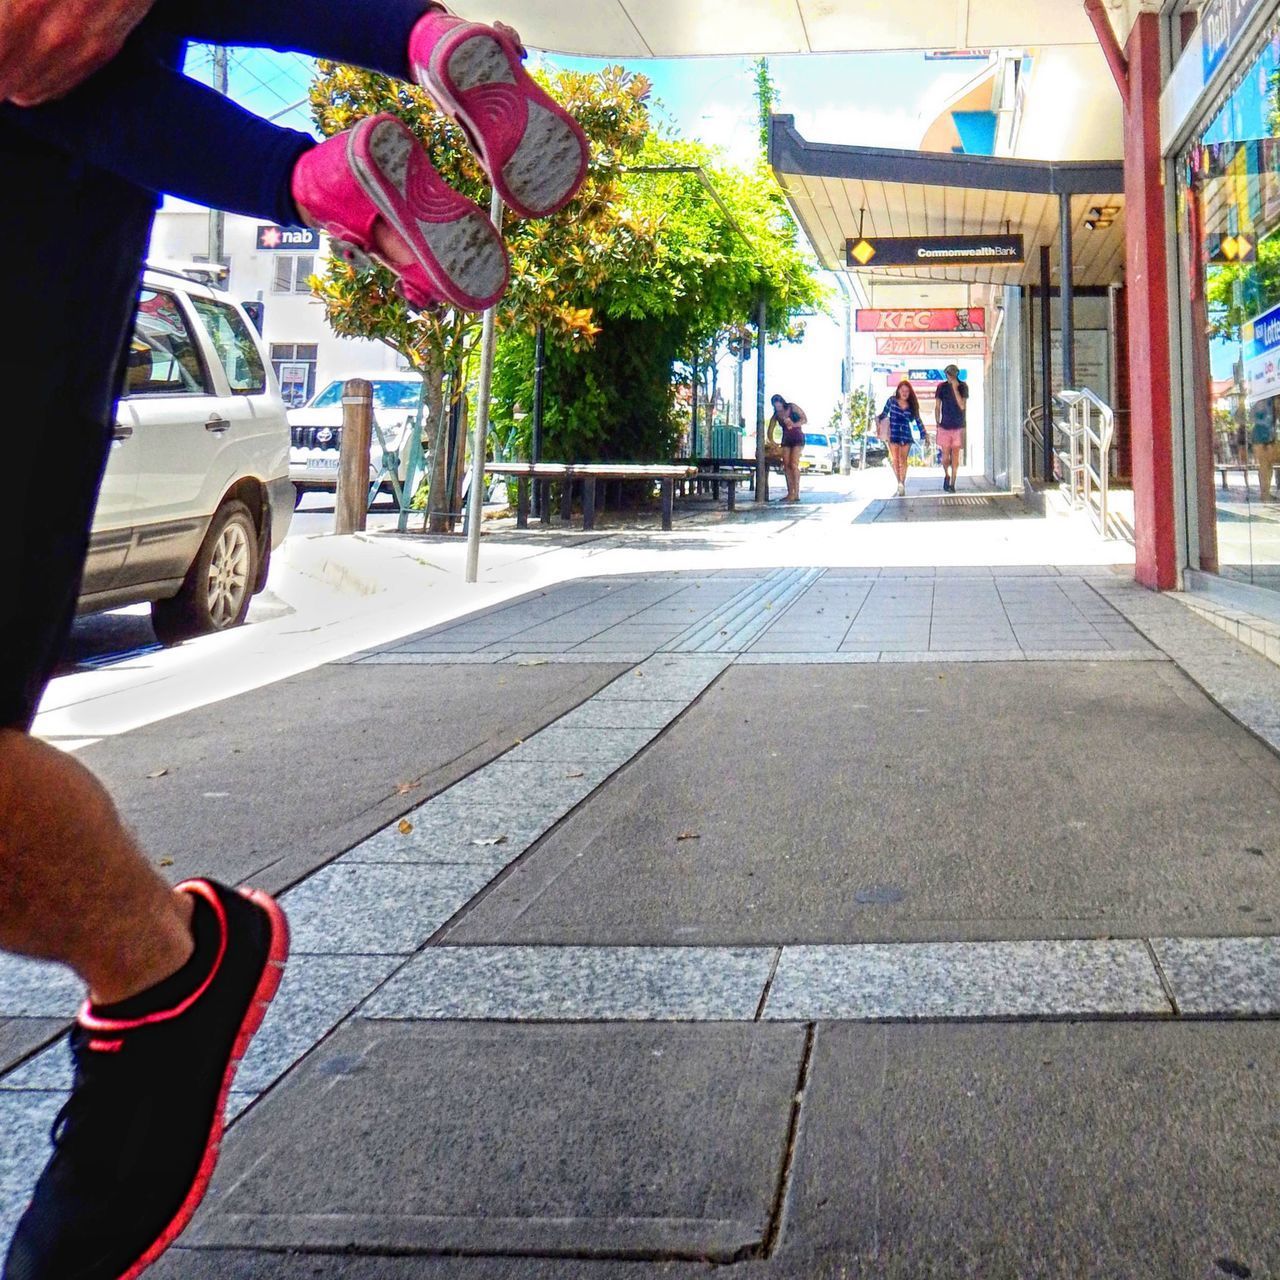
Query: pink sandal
(379, 170)
(533, 150)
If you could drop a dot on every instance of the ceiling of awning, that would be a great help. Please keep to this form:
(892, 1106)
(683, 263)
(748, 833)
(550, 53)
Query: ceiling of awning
(699, 28)
(841, 192)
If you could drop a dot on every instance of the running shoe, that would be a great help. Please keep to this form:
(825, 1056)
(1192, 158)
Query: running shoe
(135, 1145)
(533, 150)
(902, 491)
(378, 171)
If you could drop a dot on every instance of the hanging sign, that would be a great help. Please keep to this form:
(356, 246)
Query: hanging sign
(928, 320)
(935, 251)
(934, 347)
(1221, 22)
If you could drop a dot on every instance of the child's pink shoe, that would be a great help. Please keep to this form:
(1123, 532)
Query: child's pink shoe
(533, 150)
(379, 171)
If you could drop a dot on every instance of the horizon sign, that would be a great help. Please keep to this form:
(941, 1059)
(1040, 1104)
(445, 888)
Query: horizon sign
(924, 320)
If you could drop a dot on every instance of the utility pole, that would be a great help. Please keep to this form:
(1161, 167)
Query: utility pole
(217, 218)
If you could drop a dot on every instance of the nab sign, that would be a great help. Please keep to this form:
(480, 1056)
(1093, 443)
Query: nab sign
(272, 238)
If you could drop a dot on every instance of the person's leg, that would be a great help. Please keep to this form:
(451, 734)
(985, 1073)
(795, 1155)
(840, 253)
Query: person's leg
(1265, 455)
(139, 1131)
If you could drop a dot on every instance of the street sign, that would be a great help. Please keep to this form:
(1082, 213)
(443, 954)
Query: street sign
(926, 320)
(272, 238)
(942, 347)
(935, 251)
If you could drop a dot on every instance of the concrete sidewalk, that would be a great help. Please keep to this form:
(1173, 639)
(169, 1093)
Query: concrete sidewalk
(790, 920)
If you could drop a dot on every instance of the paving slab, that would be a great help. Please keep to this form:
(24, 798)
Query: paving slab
(1038, 1151)
(530, 984)
(1222, 976)
(992, 813)
(37, 989)
(21, 1037)
(614, 1140)
(283, 794)
(377, 909)
(967, 980)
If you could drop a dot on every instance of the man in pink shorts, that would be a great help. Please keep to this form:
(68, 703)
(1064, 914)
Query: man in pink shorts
(950, 408)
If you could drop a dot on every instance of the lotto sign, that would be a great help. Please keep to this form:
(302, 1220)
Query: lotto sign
(930, 320)
(934, 348)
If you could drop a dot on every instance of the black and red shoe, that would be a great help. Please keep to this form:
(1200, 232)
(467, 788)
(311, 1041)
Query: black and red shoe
(136, 1143)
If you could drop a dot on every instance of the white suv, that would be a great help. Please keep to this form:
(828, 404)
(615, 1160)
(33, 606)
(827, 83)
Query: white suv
(317, 430)
(196, 492)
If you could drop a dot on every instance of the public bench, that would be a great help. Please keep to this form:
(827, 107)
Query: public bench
(730, 477)
(1224, 467)
(589, 473)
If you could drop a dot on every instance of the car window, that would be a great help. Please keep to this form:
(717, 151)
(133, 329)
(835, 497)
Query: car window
(397, 395)
(331, 395)
(237, 351)
(812, 437)
(163, 360)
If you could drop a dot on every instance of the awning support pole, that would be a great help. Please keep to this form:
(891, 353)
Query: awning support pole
(1046, 362)
(762, 463)
(488, 344)
(1068, 293)
(1116, 60)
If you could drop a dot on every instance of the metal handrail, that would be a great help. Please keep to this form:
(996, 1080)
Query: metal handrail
(1033, 439)
(1088, 442)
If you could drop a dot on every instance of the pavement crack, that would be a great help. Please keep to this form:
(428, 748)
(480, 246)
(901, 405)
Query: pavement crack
(1165, 984)
(778, 1215)
(768, 984)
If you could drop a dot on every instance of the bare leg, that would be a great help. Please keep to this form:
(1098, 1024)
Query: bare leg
(74, 886)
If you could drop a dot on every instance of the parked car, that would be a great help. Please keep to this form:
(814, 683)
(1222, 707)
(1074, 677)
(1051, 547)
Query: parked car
(316, 430)
(877, 452)
(196, 493)
(819, 452)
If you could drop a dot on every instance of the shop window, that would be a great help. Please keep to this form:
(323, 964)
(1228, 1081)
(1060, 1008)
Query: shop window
(295, 366)
(1229, 204)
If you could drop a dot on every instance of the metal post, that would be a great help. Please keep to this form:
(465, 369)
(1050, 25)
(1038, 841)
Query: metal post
(846, 432)
(488, 343)
(1046, 364)
(351, 502)
(1067, 293)
(762, 463)
(218, 219)
(539, 372)
(693, 427)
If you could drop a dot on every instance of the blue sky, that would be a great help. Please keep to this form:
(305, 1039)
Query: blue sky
(871, 100)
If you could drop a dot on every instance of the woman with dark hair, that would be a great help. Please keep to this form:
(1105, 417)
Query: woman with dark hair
(791, 418)
(900, 413)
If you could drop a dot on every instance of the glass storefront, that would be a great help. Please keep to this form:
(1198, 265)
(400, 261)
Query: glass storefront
(1229, 207)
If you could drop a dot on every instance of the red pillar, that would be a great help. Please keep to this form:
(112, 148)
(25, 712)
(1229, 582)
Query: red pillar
(1150, 372)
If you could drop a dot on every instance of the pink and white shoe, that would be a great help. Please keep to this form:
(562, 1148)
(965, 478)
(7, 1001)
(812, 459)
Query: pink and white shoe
(533, 150)
(378, 171)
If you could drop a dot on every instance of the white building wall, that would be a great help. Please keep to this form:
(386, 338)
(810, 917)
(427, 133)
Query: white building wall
(182, 234)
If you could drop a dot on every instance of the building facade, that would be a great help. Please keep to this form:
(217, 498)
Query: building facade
(271, 265)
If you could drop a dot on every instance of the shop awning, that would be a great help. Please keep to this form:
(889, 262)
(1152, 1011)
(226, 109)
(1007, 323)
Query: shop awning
(699, 28)
(842, 192)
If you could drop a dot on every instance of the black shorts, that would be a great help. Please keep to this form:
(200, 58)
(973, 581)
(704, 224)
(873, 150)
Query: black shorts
(74, 241)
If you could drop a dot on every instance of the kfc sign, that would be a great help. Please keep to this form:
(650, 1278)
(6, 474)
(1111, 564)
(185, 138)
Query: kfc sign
(932, 320)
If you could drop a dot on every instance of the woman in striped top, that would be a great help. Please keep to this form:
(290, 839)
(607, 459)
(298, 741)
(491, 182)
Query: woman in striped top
(900, 412)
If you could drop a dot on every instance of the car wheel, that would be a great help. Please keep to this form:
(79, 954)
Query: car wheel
(216, 592)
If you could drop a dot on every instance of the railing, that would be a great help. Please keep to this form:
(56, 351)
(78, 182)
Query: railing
(1033, 444)
(1086, 461)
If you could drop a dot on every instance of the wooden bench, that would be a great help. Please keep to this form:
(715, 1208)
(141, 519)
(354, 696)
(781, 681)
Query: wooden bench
(544, 473)
(730, 477)
(1224, 467)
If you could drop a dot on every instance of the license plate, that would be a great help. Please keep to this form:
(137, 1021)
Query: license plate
(322, 464)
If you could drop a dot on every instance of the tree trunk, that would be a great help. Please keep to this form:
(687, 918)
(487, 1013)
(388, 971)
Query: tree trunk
(460, 448)
(437, 494)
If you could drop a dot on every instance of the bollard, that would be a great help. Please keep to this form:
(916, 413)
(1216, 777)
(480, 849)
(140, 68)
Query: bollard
(351, 504)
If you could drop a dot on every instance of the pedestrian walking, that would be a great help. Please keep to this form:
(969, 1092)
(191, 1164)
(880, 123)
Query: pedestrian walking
(790, 419)
(900, 420)
(950, 415)
(94, 121)
(1266, 451)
